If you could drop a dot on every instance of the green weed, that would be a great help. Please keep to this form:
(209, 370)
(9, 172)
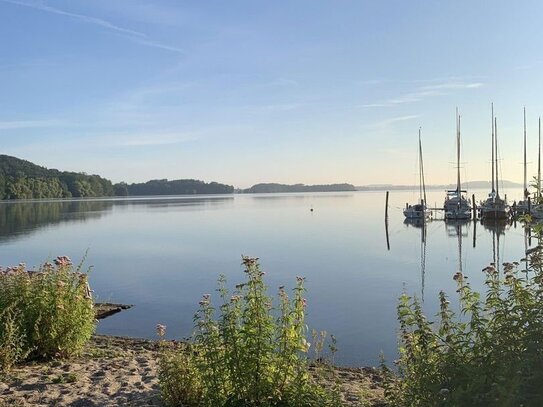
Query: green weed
(44, 314)
(491, 354)
(250, 354)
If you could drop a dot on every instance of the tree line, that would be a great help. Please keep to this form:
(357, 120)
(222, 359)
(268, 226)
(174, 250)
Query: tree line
(21, 179)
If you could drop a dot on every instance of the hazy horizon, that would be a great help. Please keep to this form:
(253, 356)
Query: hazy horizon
(309, 92)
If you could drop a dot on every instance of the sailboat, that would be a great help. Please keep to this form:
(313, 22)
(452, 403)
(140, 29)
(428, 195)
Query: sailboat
(419, 210)
(495, 208)
(456, 206)
(523, 207)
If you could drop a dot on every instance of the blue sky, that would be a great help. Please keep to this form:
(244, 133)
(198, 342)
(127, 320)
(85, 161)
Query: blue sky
(251, 91)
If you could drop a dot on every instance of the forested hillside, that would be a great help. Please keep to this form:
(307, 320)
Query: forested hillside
(174, 187)
(21, 179)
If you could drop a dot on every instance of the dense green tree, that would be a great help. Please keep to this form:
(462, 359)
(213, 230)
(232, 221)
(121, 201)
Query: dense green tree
(178, 187)
(20, 179)
(120, 189)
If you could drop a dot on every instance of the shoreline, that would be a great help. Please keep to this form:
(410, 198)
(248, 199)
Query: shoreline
(122, 371)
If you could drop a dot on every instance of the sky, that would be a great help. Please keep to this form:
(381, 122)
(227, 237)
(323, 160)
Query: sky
(242, 92)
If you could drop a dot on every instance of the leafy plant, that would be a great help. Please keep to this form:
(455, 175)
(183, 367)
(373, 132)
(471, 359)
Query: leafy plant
(250, 354)
(13, 347)
(46, 313)
(490, 354)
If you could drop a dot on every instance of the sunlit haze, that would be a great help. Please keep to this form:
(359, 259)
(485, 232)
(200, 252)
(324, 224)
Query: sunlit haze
(242, 92)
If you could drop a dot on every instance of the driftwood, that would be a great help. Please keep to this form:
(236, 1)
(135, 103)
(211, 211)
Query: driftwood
(106, 309)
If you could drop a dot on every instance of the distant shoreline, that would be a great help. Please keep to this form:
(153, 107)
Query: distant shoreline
(467, 185)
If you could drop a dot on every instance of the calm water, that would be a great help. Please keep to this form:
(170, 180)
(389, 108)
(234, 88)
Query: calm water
(163, 254)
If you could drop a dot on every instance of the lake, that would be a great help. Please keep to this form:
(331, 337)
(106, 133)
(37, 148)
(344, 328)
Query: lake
(162, 254)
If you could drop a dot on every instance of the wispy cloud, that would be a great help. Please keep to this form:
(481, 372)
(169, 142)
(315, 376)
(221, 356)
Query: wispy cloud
(402, 118)
(276, 107)
(388, 122)
(147, 140)
(454, 85)
(82, 17)
(25, 124)
(424, 92)
(134, 35)
(372, 82)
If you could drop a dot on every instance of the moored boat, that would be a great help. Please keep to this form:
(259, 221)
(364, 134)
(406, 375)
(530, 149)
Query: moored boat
(456, 206)
(419, 210)
(494, 207)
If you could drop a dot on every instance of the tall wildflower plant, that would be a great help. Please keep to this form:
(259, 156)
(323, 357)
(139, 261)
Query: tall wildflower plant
(490, 354)
(245, 352)
(46, 313)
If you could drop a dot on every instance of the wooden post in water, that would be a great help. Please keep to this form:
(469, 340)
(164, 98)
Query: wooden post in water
(474, 233)
(386, 222)
(386, 207)
(474, 206)
(529, 206)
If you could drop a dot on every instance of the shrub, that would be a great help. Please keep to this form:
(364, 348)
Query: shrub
(47, 313)
(13, 347)
(490, 354)
(247, 356)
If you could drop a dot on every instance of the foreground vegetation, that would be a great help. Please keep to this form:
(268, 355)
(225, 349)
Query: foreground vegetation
(250, 350)
(490, 354)
(246, 355)
(44, 314)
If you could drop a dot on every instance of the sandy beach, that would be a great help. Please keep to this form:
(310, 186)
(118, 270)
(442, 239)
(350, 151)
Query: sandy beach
(118, 371)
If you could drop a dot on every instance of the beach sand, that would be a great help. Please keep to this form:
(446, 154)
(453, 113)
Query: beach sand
(118, 371)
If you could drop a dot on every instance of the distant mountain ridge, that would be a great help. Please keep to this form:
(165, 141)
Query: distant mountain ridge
(466, 185)
(268, 188)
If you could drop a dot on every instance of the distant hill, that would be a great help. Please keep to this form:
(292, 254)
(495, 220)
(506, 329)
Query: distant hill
(271, 188)
(467, 185)
(21, 179)
(174, 187)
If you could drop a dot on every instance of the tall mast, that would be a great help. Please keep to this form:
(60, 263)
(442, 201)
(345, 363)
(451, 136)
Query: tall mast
(539, 163)
(525, 174)
(496, 155)
(423, 185)
(493, 185)
(420, 169)
(458, 190)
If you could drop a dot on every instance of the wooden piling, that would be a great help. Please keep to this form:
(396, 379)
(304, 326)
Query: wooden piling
(386, 207)
(386, 221)
(529, 205)
(474, 233)
(474, 205)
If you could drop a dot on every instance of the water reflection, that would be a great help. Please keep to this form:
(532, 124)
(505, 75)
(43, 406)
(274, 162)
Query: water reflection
(422, 225)
(21, 218)
(162, 254)
(18, 219)
(458, 228)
